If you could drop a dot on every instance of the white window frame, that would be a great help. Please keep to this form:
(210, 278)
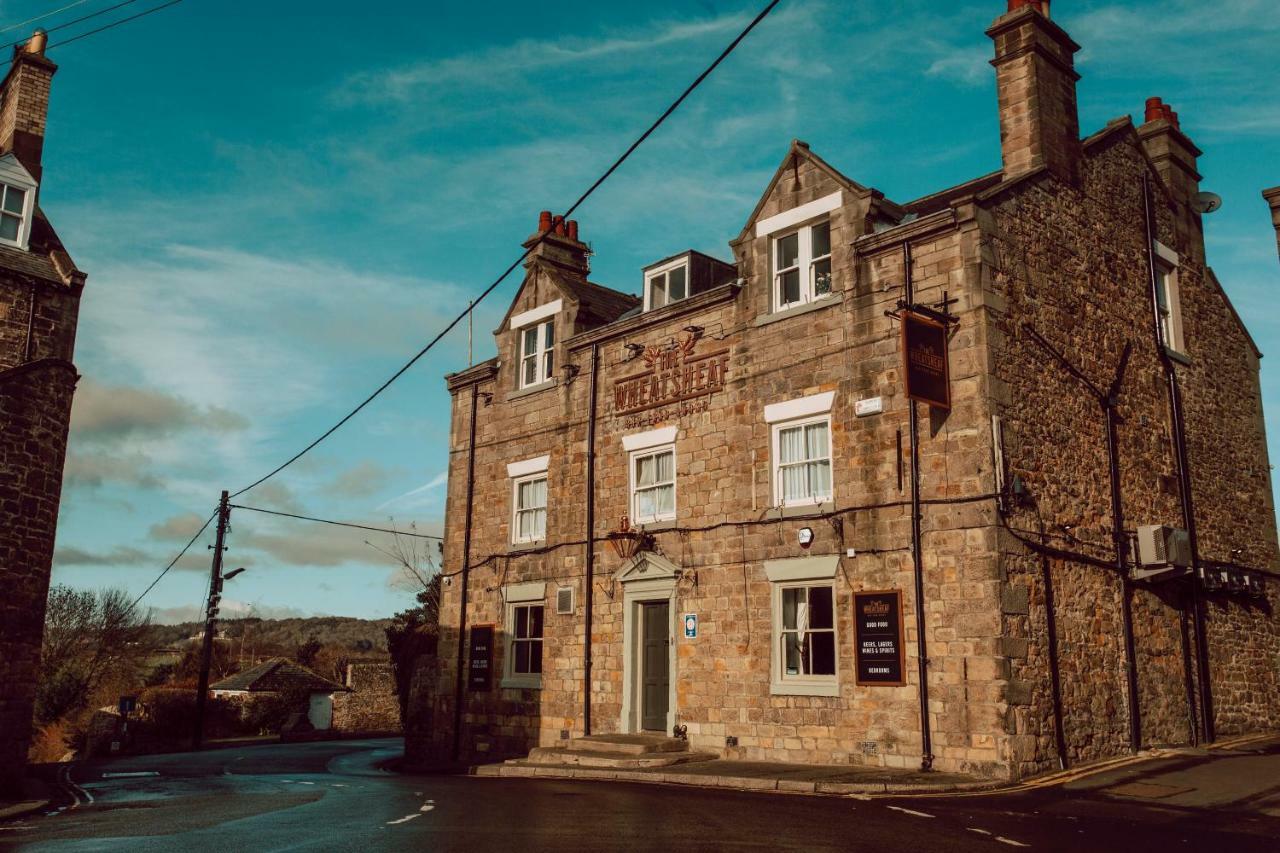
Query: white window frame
(515, 597)
(790, 574)
(24, 224)
(527, 472)
(661, 271)
(806, 264)
(543, 356)
(1167, 287)
(779, 498)
(632, 458)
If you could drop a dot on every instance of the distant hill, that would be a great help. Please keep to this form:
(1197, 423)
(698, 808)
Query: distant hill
(357, 635)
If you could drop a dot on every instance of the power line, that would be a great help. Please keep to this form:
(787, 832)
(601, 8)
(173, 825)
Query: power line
(42, 16)
(542, 236)
(174, 561)
(115, 24)
(336, 523)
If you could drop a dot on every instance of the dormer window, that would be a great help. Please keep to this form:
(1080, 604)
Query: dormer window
(17, 202)
(537, 353)
(666, 284)
(802, 265)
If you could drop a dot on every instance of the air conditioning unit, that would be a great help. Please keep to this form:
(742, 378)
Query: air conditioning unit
(1163, 552)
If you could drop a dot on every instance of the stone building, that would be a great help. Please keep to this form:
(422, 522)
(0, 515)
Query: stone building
(370, 703)
(40, 290)
(693, 510)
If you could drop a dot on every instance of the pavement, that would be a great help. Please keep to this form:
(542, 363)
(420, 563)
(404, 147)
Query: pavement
(338, 795)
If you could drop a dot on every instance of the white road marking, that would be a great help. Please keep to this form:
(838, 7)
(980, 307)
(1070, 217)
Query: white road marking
(909, 811)
(306, 783)
(130, 775)
(428, 807)
(1010, 842)
(403, 819)
(338, 785)
(979, 831)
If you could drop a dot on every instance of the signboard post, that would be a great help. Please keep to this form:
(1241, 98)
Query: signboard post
(878, 637)
(924, 360)
(480, 668)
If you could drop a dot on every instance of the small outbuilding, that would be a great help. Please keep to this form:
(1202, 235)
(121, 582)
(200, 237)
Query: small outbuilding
(277, 676)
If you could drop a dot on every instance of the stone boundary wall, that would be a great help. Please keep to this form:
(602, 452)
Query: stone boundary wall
(372, 705)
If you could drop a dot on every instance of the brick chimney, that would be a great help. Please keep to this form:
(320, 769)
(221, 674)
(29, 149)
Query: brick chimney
(1036, 84)
(560, 245)
(24, 103)
(1174, 156)
(1273, 198)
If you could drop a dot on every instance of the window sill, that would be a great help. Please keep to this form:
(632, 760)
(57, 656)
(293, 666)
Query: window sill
(656, 526)
(805, 510)
(521, 682)
(1180, 357)
(520, 547)
(789, 688)
(806, 308)
(533, 389)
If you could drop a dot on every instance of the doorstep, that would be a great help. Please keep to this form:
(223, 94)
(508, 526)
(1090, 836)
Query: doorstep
(756, 776)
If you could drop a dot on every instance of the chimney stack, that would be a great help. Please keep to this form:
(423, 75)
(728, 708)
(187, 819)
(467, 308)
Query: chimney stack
(1273, 198)
(556, 241)
(1175, 156)
(24, 103)
(1036, 85)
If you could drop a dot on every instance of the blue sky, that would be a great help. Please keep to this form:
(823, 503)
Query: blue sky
(278, 202)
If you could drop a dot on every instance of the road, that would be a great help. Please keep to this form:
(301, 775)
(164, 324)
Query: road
(335, 796)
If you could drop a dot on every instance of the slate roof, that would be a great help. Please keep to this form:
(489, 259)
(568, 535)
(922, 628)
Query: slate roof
(275, 675)
(597, 304)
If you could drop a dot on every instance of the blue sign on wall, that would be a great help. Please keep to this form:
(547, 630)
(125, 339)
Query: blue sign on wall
(690, 626)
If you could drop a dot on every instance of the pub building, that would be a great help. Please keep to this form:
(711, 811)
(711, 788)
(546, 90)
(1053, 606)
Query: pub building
(976, 482)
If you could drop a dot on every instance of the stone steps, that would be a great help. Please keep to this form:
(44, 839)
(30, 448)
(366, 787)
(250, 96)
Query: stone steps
(579, 757)
(638, 744)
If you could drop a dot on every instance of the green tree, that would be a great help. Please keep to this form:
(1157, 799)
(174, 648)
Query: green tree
(307, 652)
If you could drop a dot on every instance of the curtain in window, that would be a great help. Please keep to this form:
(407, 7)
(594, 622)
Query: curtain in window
(655, 485)
(817, 449)
(791, 451)
(531, 510)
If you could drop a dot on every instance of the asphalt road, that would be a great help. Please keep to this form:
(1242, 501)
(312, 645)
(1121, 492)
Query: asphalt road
(334, 796)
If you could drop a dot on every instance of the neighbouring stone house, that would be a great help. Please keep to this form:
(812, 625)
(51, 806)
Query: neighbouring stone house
(370, 703)
(279, 676)
(40, 289)
(693, 510)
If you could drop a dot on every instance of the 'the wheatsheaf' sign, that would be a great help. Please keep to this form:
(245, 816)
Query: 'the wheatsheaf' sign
(924, 355)
(675, 374)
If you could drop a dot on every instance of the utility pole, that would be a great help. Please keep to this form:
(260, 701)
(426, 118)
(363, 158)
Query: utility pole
(211, 618)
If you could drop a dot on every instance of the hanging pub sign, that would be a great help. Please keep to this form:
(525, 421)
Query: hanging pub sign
(677, 380)
(924, 360)
(878, 635)
(480, 666)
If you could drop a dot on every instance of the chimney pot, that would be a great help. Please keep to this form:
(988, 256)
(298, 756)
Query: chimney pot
(1173, 117)
(573, 229)
(544, 221)
(1155, 109)
(559, 220)
(36, 44)
(1041, 6)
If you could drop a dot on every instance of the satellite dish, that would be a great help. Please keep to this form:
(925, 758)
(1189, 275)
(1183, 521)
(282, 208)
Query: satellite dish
(1207, 202)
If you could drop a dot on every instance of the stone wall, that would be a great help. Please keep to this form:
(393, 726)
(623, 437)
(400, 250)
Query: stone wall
(35, 405)
(372, 705)
(1071, 262)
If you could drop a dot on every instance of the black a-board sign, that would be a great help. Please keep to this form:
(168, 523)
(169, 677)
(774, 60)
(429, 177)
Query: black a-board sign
(924, 360)
(877, 623)
(480, 659)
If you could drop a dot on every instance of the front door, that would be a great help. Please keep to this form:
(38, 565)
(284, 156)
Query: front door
(655, 676)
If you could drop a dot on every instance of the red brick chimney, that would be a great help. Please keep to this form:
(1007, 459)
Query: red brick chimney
(1175, 157)
(1273, 198)
(24, 103)
(1036, 84)
(559, 245)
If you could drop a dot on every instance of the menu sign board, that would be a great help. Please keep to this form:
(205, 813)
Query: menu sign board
(924, 357)
(480, 668)
(878, 634)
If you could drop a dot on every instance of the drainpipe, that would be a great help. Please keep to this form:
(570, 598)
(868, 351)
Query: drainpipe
(1184, 473)
(1126, 584)
(466, 574)
(590, 561)
(922, 651)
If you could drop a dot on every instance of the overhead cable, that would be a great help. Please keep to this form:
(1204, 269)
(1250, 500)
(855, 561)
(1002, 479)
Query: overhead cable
(489, 289)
